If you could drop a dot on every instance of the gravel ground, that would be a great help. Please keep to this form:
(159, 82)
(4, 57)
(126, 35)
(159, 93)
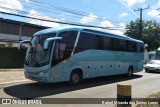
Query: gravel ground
(11, 76)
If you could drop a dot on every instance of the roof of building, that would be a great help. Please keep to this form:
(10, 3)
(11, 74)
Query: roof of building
(21, 23)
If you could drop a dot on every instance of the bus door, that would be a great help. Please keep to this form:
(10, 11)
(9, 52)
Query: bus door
(57, 62)
(62, 52)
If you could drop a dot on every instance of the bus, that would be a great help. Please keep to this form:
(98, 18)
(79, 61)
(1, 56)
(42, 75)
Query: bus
(76, 53)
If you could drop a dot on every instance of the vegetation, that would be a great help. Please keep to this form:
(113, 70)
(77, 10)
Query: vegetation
(150, 34)
(11, 57)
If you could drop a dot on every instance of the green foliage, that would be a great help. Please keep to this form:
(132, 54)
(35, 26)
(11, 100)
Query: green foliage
(150, 34)
(11, 57)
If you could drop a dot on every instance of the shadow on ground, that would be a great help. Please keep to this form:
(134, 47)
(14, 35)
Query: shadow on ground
(34, 90)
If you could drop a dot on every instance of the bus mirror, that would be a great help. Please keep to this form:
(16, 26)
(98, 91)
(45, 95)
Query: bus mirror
(46, 42)
(20, 44)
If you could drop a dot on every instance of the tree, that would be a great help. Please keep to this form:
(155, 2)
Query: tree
(150, 34)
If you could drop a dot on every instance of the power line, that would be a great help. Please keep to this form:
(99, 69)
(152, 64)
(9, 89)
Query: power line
(128, 7)
(61, 22)
(73, 13)
(42, 4)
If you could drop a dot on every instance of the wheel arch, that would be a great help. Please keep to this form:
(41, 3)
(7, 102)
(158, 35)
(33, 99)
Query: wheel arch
(131, 67)
(79, 70)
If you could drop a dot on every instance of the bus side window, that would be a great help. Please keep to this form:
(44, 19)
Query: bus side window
(115, 44)
(131, 46)
(107, 43)
(99, 43)
(140, 47)
(86, 42)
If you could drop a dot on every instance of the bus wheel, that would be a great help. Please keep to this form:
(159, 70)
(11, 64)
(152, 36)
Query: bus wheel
(130, 71)
(75, 78)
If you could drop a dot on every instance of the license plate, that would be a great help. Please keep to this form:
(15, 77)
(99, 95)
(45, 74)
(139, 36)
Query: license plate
(31, 77)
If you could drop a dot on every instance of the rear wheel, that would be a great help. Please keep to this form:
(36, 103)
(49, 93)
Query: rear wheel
(130, 71)
(75, 78)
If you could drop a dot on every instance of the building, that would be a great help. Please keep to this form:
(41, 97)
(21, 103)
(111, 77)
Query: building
(11, 32)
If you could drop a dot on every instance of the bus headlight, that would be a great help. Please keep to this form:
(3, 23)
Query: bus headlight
(42, 72)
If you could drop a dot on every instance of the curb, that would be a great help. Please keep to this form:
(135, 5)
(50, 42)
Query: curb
(6, 70)
(11, 82)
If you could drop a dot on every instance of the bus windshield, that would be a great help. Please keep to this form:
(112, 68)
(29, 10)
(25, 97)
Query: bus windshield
(36, 55)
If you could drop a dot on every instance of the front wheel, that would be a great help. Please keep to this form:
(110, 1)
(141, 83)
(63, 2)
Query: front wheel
(75, 78)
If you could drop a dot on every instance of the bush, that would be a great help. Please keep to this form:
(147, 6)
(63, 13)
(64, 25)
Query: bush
(12, 57)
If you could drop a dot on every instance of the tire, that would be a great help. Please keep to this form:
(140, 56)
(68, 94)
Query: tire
(75, 78)
(130, 71)
(147, 70)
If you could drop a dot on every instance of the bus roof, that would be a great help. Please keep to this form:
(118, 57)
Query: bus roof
(89, 29)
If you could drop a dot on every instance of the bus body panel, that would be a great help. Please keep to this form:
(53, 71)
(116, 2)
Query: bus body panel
(92, 62)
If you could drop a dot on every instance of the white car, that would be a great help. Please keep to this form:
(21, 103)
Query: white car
(153, 66)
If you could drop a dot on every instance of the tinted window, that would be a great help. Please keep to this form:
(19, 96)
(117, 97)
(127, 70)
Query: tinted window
(100, 43)
(115, 44)
(64, 47)
(118, 44)
(94, 41)
(107, 43)
(86, 41)
(131, 46)
(140, 47)
(123, 45)
(69, 38)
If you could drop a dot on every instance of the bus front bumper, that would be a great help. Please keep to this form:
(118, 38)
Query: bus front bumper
(35, 78)
(39, 78)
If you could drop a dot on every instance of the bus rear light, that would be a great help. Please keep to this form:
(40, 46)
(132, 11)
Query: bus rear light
(42, 72)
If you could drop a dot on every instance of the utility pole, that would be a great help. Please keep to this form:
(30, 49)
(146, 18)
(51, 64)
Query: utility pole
(140, 21)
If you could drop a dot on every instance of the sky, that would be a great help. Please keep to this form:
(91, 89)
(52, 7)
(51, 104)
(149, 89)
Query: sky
(102, 13)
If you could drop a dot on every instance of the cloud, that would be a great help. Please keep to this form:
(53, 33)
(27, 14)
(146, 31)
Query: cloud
(86, 19)
(129, 8)
(33, 13)
(157, 5)
(153, 13)
(123, 25)
(28, 1)
(106, 23)
(123, 15)
(13, 4)
(121, 30)
(130, 3)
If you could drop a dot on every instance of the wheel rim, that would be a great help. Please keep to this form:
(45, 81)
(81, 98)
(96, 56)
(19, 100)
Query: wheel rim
(75, 78)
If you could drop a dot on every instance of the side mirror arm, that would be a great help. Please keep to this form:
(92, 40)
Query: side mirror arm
(20, 44)
(46, 42)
